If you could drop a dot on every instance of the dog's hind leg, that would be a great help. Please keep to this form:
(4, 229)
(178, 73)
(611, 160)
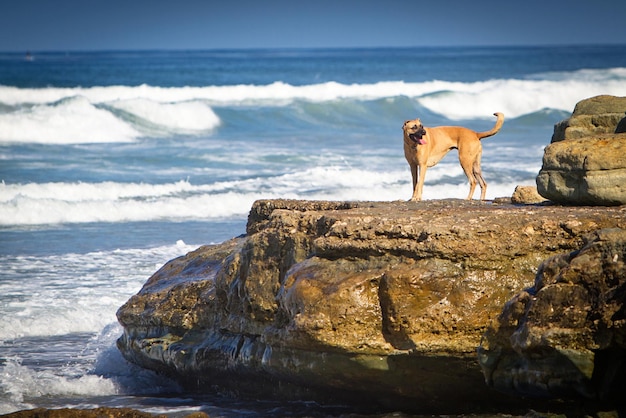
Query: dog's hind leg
(469, 157)
(472, 181)
(474, 175)
(478, 175)
(481, 182)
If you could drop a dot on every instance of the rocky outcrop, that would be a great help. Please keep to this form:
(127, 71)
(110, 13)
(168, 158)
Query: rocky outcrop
(384, 300)
(595, 116)
(566, 335)
(586, 162)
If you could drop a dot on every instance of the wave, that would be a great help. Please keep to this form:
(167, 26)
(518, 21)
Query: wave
(57, 307)
(68, 203)
(95, 370)
(183, 117)
(124, 113)
(77, 119)
(518, 97)
(34, 311)
(67, 121)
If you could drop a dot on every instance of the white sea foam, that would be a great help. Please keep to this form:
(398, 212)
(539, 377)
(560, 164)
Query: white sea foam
(516, 97)
(72, 115)
(96, 369)
(79, 191)
(73, 293)
(585, 83)
(190, 116)
(68, 121)
(28, 382)
(48, 299)
(19, 382)
(53, 203)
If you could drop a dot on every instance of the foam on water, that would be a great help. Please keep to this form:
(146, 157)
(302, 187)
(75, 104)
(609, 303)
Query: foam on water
(518, 97)
(96, 370)
(68, 121)
(73, 293)
(192, 116)
(27, 382)
(123, 113)
(53, 203)
(49, 302)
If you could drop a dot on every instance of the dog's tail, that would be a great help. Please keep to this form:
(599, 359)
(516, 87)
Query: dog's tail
(495, 129)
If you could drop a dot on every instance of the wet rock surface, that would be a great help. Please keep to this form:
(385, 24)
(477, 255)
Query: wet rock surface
(566, 335)
(383, 301)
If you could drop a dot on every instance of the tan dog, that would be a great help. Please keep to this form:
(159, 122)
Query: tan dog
(425, 147)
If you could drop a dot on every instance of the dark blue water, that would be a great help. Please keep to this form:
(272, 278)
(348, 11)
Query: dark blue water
(298, 66)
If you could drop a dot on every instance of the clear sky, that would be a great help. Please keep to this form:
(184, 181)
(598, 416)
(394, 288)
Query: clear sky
(66, 25)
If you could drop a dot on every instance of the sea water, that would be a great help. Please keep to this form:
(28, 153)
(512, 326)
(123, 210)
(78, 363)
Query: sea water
(113, 163)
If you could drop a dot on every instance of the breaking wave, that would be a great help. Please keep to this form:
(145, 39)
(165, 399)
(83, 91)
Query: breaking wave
(125, 113)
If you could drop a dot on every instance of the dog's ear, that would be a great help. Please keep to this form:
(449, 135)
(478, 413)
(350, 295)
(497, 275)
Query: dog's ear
(405, 122)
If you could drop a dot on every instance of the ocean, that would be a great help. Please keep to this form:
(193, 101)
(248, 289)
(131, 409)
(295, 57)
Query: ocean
(114, 162)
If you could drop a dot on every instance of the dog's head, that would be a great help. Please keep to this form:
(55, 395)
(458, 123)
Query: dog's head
(414, 130)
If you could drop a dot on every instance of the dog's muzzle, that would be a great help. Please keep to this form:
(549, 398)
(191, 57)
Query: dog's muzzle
(418, 136)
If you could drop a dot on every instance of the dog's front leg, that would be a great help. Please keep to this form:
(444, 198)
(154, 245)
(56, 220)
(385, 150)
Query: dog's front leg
(414, 177)
(419, 185)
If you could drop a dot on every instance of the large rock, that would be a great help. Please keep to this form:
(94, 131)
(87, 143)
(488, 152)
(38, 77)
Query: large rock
(384, 300)
(591, 117)
(566, 335)
(586, 171)
(586, 162)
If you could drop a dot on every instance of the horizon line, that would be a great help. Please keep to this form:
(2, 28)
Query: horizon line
(314, 48)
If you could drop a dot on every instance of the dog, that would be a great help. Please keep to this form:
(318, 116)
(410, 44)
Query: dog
(425, 147)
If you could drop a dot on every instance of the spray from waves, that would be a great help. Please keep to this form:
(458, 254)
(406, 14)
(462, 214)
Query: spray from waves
(76, 119)
(558, 91)
(180, 117)
(20, 381)
(53, 203)
(58, 326)
(97, 369)
(73, 293)
(124, 113)
(68, 121)
(117, 204)
(80, 191)
(58, 203)
(588, 82)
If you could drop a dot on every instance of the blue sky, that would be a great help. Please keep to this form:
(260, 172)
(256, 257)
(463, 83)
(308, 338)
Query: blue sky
(65, 25)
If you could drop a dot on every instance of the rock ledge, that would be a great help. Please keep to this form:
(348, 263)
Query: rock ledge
(384, 300)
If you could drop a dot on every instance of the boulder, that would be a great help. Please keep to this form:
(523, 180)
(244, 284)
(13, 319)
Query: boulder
(526, 195)
(585, 171)
(586, 162)
(594, 116)
(378, 302)
(566, 335)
